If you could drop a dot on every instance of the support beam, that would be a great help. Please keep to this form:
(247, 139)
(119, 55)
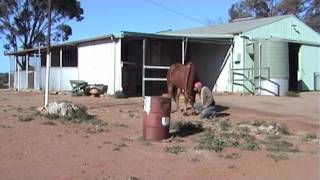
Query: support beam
(156, 67)
(15, 77)
(143, 66)
(27, 71)
(60, 69)
(259, 76)
(46, 91)
(35, 72)
(39, 61)
(18, 74)
(9, 74)
(183, 51)
(114, 65)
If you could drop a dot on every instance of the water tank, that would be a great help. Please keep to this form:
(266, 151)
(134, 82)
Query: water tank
(275, 55)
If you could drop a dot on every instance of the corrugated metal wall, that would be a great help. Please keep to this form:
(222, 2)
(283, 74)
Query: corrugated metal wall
(292, 29)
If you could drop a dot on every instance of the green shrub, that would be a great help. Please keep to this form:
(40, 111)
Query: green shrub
(276, 144)
(224, 125)
(119, 95)
(174, 149)
(293, 94)
(209, 142)
(278, 157)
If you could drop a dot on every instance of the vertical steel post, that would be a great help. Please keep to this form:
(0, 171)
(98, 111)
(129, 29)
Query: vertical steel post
(27, 71)
(231, 70)
(39, 65)
(259, 69)
(114, 65)
(143, 66)
(60, 69)
(9, 74)
(15, 78)
(18, 73)
(35, 73)
(46, 92)
(183, 51)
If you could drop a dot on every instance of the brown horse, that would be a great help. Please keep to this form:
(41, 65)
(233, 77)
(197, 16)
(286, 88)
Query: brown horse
(181, 79)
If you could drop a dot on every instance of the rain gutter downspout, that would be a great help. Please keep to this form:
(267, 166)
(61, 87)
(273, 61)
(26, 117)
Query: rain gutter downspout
(259, 68)
(243, 56)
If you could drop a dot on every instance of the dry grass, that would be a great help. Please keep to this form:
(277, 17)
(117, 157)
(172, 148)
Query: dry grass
(141, 140)
(174, 149)
(49, 123)
(293, 94)
(26, 118)
(276, 144)
(278, 156)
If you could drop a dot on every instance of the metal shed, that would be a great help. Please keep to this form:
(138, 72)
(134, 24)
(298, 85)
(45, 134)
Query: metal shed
(303, 49)
(226, 57)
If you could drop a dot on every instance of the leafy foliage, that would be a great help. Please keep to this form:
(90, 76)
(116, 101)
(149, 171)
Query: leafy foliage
(306, 10)
(23, 23)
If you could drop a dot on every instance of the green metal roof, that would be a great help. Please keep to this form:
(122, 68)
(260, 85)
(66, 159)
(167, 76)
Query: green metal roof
(168, 35)
(70, 43)
(236, 27)
(127, 34)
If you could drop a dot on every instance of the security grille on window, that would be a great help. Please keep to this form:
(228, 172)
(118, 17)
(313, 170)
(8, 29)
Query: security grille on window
(69, 57)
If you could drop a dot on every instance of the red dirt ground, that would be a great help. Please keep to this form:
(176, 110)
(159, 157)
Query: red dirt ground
(32, 150)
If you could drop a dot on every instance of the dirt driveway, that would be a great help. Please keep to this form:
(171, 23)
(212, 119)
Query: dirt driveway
(37, 148)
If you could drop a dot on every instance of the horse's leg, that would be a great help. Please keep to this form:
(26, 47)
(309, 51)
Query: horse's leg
(177, 98)
(186, 100)
(185, 104)
(171, 93)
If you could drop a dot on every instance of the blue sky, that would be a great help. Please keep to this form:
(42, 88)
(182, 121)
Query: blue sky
(103, 17)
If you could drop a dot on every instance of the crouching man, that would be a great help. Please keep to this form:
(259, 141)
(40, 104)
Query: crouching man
(206, 107)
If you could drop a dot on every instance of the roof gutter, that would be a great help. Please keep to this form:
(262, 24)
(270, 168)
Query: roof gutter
(71, 43)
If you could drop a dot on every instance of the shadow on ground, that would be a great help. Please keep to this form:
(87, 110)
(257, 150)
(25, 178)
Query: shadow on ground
(187, 129)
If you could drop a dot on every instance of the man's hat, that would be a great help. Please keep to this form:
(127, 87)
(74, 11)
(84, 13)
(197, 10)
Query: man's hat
(197, 85)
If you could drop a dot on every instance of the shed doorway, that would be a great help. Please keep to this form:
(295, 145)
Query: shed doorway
(210, 59)
(159, 52)
(293, 66)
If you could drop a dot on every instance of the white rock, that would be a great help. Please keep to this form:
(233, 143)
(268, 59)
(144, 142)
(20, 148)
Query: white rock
(60, 108)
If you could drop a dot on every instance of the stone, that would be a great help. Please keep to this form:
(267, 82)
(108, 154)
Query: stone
(61, 109)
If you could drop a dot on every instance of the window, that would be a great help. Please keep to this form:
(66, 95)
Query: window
(55, 58)
(69, 57)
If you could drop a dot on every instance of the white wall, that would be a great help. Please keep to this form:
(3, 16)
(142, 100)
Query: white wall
(59, 78)
(224, 81)
(23, 80)
(100, 62)
(208, 59)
